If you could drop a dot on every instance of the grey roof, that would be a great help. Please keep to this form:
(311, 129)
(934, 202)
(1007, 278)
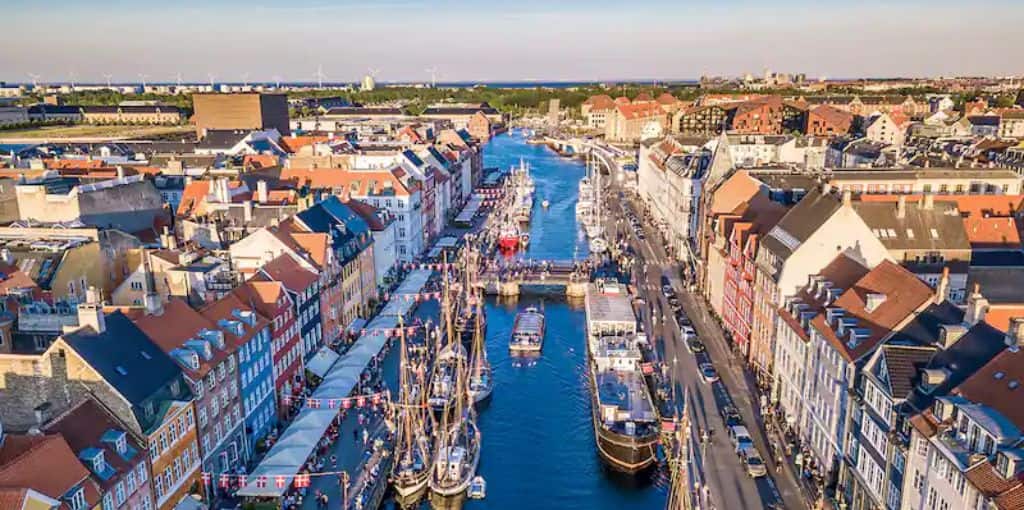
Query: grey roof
(445, 110)
(803, 220)
(222, 138)
(976, 348)
(900, 366)
(354, 111)
(924, 328)
(983, 120)
(938, 228)
(986, 258)
(1000, 285)
(866, 148)
(327, 216)
(840, 174)
(126, 358)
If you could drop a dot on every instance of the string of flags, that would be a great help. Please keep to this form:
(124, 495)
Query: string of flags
(373, 399)
(298, 480)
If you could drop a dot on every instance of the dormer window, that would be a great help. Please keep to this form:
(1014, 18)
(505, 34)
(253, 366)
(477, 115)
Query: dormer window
(98, 462)
(76, 499)
(121, 444)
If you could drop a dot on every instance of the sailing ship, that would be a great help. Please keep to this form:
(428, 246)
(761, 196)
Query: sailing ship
(481, 382)
(458, 445)
(413, 448)
(527, 331)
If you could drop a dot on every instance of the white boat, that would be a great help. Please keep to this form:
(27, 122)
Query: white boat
(481, 380)
(478, 488)
(527, 332)
(444, 380)
(545, 204)
(598, 245)
(456, 462)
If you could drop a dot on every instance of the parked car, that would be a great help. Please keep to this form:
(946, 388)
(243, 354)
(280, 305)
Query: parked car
(753, 462)
(668, 291)
(740, 439)
(708, 373)
(687, 332)
(730, 416)
(695, 346)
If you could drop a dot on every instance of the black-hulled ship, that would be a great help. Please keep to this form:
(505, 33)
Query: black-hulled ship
(625, 421)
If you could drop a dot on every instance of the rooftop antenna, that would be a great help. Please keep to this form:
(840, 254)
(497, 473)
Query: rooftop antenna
(143, 78)
(109, 77)
(210, 76)
(433, 77)
(71, 78)
(177, 80)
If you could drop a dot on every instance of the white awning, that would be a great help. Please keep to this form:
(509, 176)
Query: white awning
(321, 362)
(298, 441)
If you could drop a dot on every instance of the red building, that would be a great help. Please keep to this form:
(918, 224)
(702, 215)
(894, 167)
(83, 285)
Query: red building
(271, 300)
(825, 120)
(738, 294)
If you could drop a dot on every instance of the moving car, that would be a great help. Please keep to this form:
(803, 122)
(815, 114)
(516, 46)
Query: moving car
(708, 373)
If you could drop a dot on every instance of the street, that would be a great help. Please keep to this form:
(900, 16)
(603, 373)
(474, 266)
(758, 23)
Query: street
(725, 473)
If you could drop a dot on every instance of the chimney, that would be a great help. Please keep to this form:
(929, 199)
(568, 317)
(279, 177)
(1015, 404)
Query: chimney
(929, 201)
(901, 207)
(120, 172)
(6, 257)
(847, 197)
(942, 288)
(261, 191)
(91, 315)
(167, 241)
(977, 306)
(42, 412)
(248, 211)
(825, 188)
(1015, 333)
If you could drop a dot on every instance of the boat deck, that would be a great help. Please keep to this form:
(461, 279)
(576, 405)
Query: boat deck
(609, 309)
(628, 392)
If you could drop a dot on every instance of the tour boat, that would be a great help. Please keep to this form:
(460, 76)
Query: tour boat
(527, 332)
(524, 239)
(598, 245)
(545, 204)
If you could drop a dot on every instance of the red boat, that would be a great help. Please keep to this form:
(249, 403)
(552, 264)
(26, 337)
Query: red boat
(509, 239)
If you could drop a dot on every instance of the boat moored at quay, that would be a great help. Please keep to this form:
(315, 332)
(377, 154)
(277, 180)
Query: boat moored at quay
(625, 420)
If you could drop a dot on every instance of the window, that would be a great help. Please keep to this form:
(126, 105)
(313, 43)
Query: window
(142, 473)
(108, 502)
(202, 418)
(119, 492)
(131, 481)
(77, 500)
(98, 463)
(158, 485)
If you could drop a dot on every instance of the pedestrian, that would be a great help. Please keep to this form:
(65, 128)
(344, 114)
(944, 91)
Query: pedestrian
(366, 436)
(355, 434)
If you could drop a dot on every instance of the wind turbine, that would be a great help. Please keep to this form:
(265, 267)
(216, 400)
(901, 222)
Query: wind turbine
(277, 81)
(320, 76)
(35, 80)
(143, 78)
(177, 80)
(245, 79)
(433, 77)
(71, 78)
(210, 76)
(108, 77)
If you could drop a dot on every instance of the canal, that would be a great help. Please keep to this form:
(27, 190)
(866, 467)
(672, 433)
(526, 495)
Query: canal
(538, 441)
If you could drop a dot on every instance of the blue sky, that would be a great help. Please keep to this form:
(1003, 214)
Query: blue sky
(477, 40)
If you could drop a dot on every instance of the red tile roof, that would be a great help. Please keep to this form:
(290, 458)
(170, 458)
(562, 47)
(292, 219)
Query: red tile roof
(45, 464)
(83, 427)
(904, 294)
(287, 271)
(178, 324)
(640, 110)
(330, 178)
(293, 143)
(997, 385)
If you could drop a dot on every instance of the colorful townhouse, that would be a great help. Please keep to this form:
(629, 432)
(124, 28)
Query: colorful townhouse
(115, 457)
(251, 332)
(272, 300)
(206, 356)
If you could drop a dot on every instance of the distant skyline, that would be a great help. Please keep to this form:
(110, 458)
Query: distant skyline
(486, 41)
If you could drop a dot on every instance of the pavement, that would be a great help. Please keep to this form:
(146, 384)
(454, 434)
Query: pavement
(730, 486)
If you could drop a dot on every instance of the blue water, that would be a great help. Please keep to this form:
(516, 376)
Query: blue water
(538, 441)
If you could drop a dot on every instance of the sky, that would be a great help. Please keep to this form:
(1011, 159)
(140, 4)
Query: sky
(517, 40)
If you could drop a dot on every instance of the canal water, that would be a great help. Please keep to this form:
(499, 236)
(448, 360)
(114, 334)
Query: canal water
(538, 441)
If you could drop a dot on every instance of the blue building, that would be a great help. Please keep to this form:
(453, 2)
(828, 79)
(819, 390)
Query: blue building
(250, 333)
